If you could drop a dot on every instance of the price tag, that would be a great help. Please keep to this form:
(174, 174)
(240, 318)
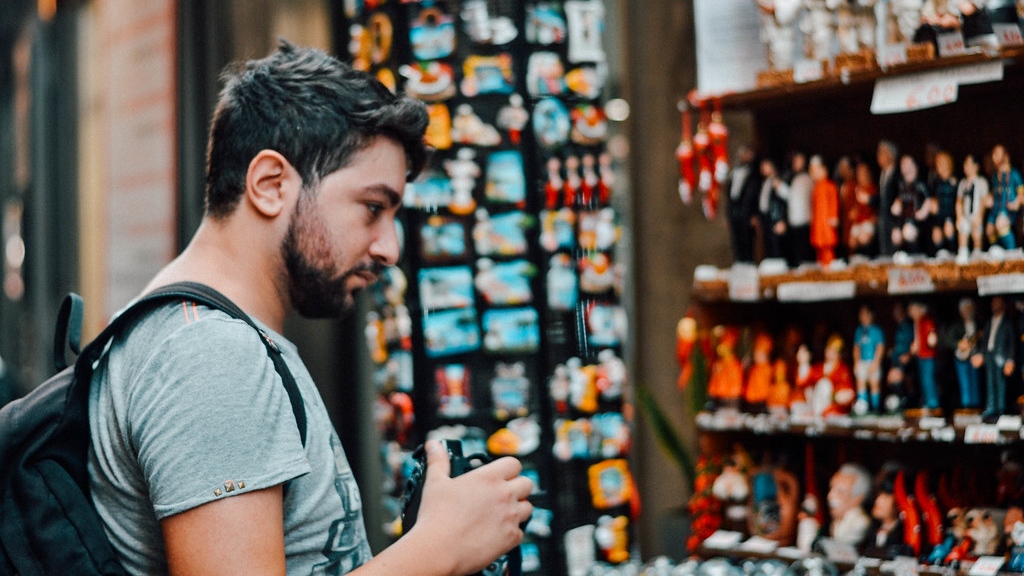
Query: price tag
(986, 566)
(723, 539)
(744, 283)
(892, 55)
(913, 92)
(1008, 34)
(1000, 284)
(910, 281)
(808, 71)
(951, 44)
(1009, 422)
(981, 434)
(816, 291)
(930, 422)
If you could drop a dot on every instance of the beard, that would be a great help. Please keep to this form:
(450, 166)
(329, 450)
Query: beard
(316, 288)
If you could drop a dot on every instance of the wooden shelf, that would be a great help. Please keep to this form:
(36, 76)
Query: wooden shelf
(869, 279)
(783, 95)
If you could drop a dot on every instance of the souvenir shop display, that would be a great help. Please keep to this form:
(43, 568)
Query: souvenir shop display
(861, 353)
(510, 284)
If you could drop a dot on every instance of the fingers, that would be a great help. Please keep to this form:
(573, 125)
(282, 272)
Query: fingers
(437, 460)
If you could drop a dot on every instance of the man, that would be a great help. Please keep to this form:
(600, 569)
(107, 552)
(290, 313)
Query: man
(196, 465)
(1004, 202)
(848, 490)
(744, 186)
(922, 349)
(888, 189)
(797, 195)
(868, 350)
(996, 354)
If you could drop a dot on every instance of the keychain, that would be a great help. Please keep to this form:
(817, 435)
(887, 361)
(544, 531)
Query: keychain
(686, 156)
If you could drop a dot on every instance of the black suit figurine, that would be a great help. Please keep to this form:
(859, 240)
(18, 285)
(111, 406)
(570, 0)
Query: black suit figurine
(998, 343)
(743, 189)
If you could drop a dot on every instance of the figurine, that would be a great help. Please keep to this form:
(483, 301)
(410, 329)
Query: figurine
(819, 29)
(732, 489)
(984, 531)
(759, 376)
(798, 211)
(923, 350)
(888, 190)
(855, 26)
(573, 181)
(686, 347)
(743, 188)
(588, 180)
(834, 392)
(1004, 202)
(899, 358)
(944, 200)
(773, 504)
(996, 354)
(771, 211)
(887, 542)
(725, 381)
(553, 186)
(868, 350)
(778, 31)
(803, 383)
(846, 180)
(962, 338)
(513, 118)
(906, 15)
(909, 209)
(862, 213)
(824, 212)
(971, 195)
(808, 525)
(462, 172)
(976, 24)
(779, 392)
(848, 489)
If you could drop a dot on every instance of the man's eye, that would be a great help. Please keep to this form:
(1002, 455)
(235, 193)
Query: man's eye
(375, 209)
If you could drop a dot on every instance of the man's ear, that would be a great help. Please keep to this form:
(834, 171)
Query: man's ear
(271, 183)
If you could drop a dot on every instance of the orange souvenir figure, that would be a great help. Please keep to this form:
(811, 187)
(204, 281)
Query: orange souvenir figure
(778, 393)
(803, 382)
(686, 340)
(759, 378)
(725, 384)
(824, 211)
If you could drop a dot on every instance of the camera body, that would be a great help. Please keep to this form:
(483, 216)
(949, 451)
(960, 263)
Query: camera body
(509, 564)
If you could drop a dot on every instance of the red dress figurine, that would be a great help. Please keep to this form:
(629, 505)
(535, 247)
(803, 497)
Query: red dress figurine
(725, 383)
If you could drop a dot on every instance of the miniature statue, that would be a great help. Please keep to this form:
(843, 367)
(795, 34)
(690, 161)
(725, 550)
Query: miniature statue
(976, 24)
(772, 209)
(1004, 202)
(780, 390)
(834, 391)
(553, 186)
(855, 25)
(887, 542)
(862, 213)
(743, 189)
(725, 381)
(819, 29)
(888, 190)
(868, 350)
(849, 487)
(846, 180)
(803, 383)
(944, 200)
(824, 212)
(759, 376)
(808, 527)
(962, 338)
(996, 354)
(463, 172)
(778, 31)
(923, 350)
(798, 211)
(732, 489)
(906, 17)
(513, 117)
(588, 180)
(573, 181)
(910, 209)
(971, 195)
(984, 531)
(899, 358)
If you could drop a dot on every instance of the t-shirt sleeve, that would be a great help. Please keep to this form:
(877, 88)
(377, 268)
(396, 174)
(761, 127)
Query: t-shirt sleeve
(211, 418)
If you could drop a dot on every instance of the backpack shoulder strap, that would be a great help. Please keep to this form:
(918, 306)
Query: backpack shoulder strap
(209, 297)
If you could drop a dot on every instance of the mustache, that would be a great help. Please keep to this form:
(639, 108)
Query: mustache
(375, 268)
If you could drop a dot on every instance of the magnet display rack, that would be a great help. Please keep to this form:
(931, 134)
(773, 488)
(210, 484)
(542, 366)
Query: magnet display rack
(501, 326)
(956, 453)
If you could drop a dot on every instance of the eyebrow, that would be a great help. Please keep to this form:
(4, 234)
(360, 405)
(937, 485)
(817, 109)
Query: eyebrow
(393, 196)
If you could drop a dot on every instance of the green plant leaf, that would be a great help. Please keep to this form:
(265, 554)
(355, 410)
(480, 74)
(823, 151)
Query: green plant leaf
(666, 435)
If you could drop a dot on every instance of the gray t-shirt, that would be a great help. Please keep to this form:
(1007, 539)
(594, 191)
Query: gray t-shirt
(187, 408)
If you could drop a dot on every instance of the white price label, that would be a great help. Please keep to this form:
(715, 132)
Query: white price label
(1008, 34)
(892, 55)
(910, 281)
(808, 71)
(981, 434)
(744, 283)
(816, 291)
(1000, 284)
(987, 566)
(951, 44)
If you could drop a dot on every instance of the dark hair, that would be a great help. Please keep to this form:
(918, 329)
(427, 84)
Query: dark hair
(310, 107)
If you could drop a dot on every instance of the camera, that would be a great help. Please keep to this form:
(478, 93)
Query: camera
(510, 564)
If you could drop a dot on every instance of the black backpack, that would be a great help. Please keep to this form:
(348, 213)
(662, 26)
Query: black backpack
(48, 524)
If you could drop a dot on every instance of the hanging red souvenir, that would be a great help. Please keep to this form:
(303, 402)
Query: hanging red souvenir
(911, 517)
(705, 177)
(553, 187)
(685, 155)
(606, 174)
(719, 135)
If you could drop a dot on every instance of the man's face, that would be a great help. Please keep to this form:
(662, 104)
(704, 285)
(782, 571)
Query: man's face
(341, 236)
(841, 498)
